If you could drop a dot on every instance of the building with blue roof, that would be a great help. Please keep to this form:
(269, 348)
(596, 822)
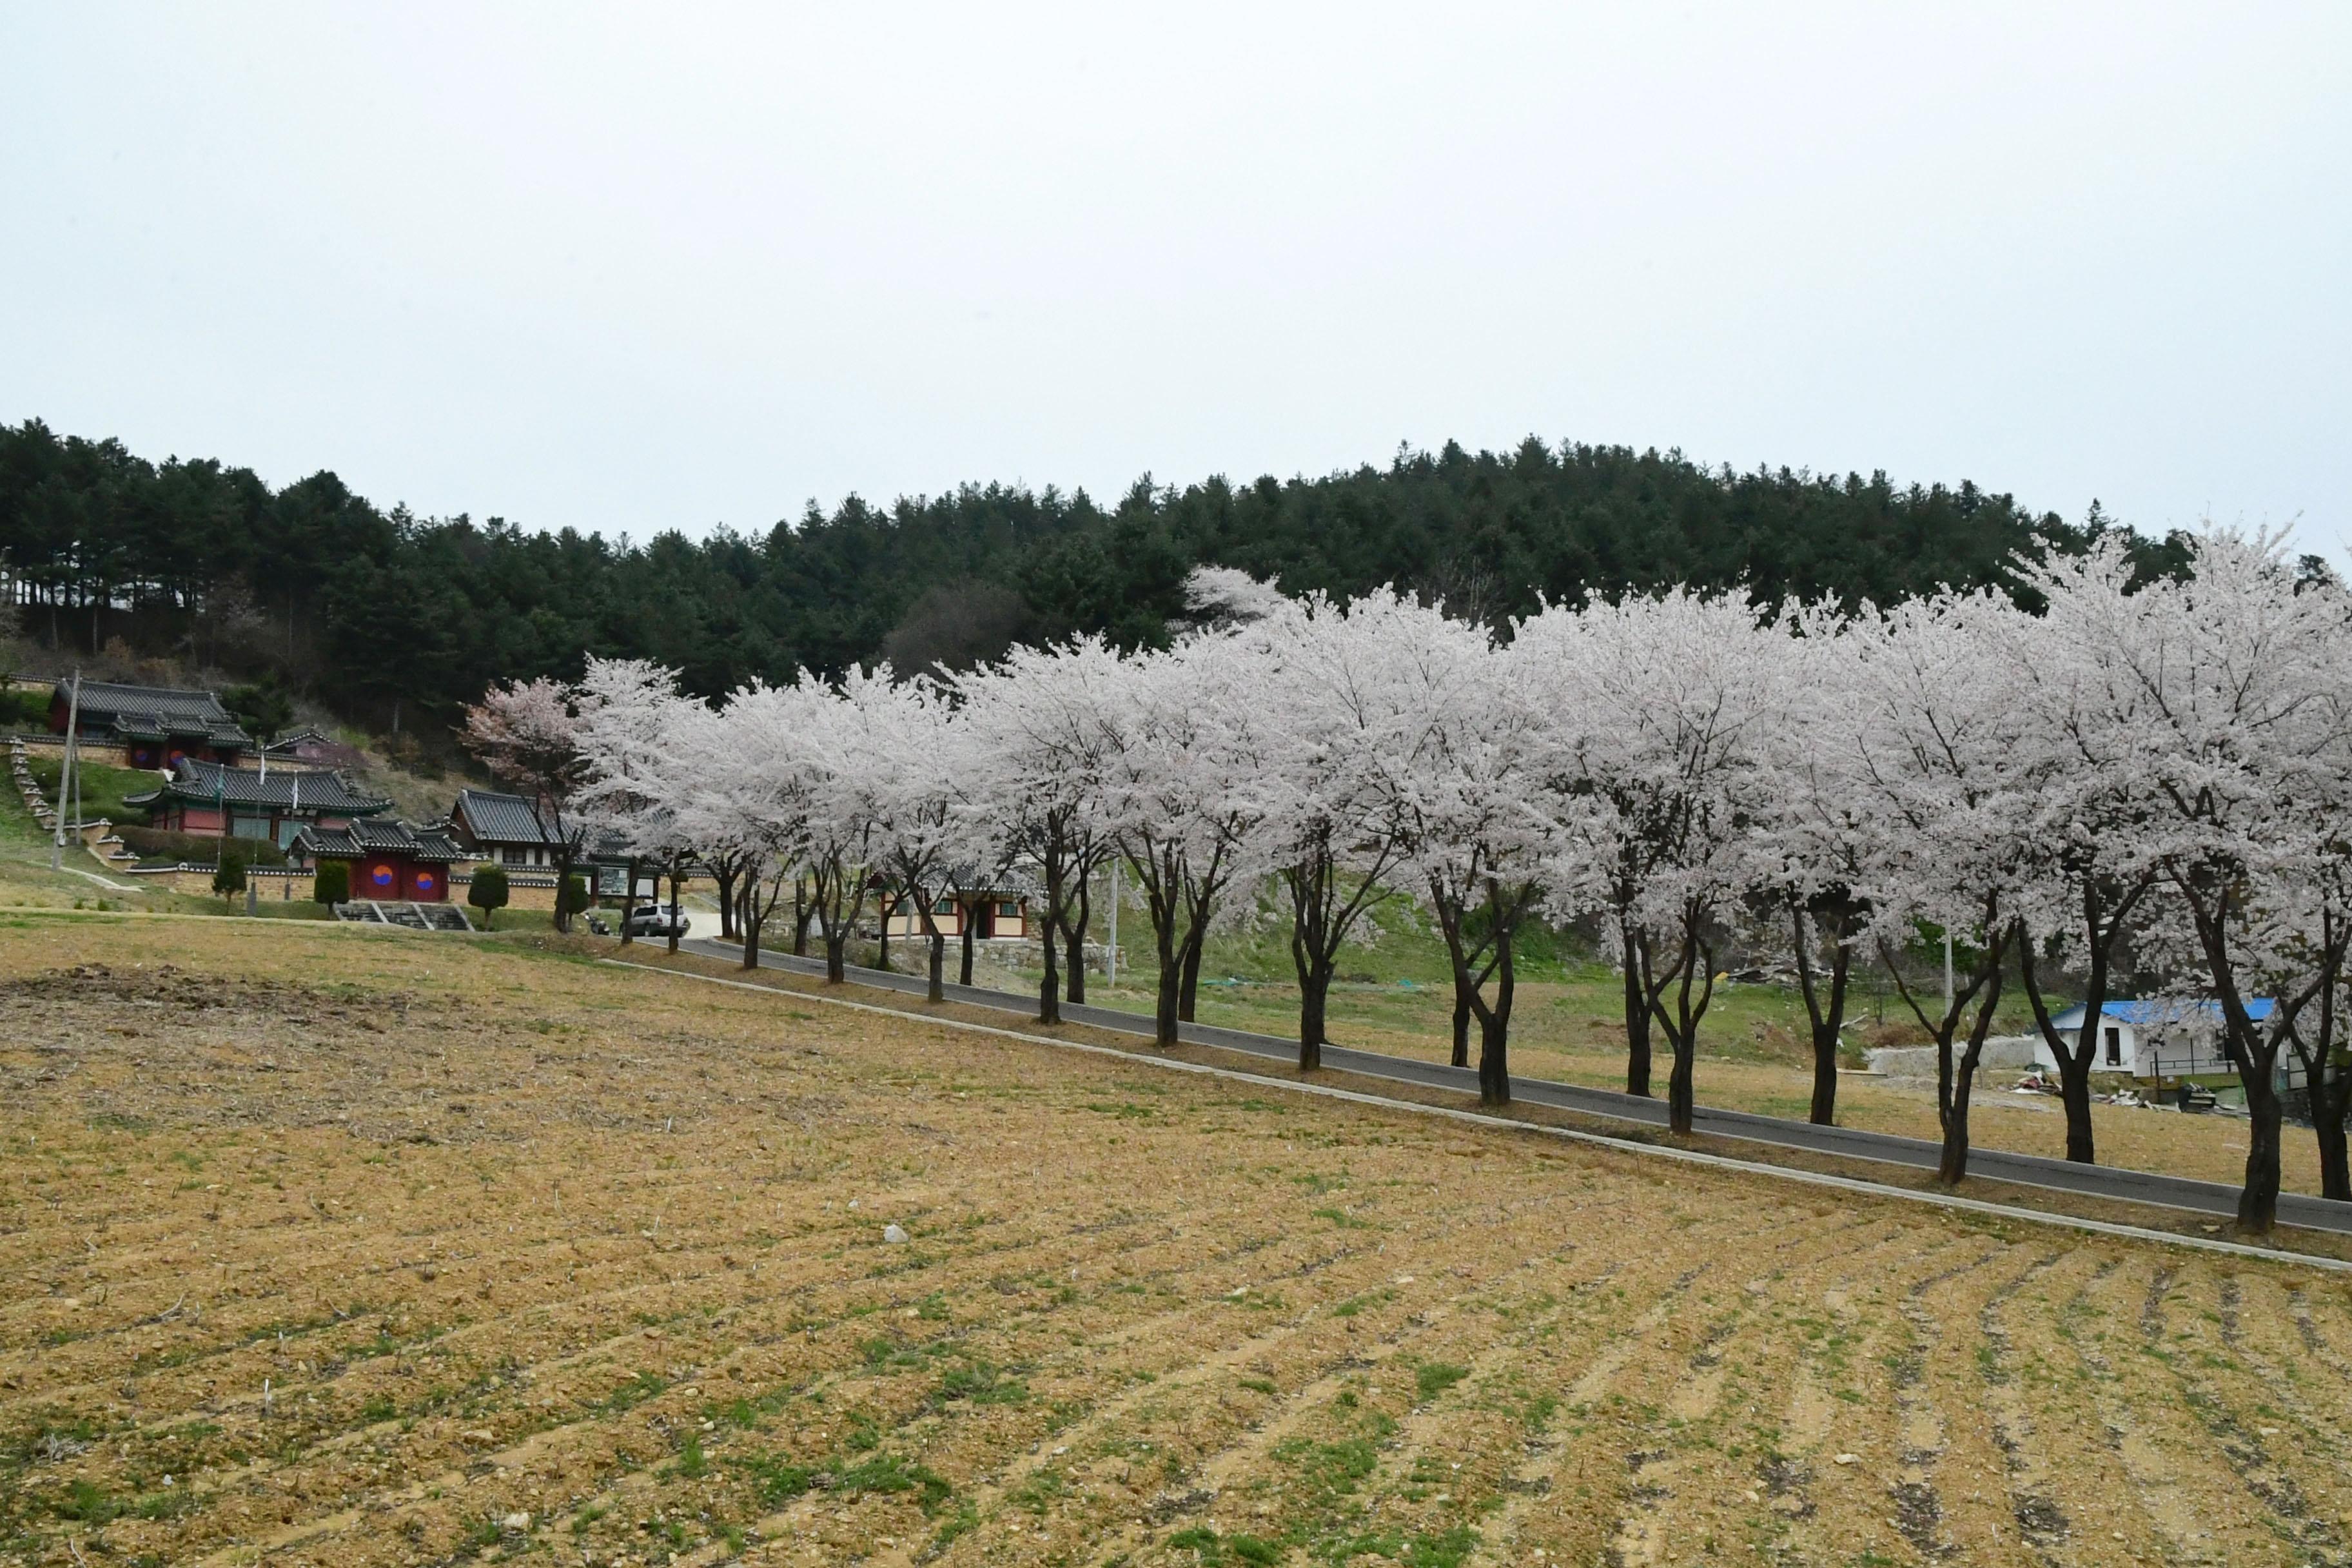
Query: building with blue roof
(2157, 1037)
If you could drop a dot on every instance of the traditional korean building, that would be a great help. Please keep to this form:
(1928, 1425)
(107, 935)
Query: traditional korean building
(504, 829)
(1000, 910)
(236, 802)
(389, 860)
(149, 726)
(313, 748)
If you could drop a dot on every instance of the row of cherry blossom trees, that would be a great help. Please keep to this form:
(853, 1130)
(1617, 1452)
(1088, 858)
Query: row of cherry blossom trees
(2160, 769)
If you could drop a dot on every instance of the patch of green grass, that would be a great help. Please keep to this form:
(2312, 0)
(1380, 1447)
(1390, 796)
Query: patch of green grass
(1037, 1493)
(87, 1502)
(1355, 1304)
(691, 1464)
(779, 1480)
(892, 1473)
(981, 1384)
(1432, 1378)
(1342, 1218)
(962, 1522)
(635, 1392)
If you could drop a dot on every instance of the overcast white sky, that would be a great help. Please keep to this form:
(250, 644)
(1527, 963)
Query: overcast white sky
(661, 266)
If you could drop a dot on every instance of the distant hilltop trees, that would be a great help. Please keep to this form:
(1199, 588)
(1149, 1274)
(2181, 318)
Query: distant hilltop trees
(383, 613)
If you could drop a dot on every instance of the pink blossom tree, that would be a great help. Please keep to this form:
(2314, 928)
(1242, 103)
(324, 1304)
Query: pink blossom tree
(527, 734)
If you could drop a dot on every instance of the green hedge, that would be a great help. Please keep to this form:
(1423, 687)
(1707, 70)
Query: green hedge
(195, 848)
(24, 710)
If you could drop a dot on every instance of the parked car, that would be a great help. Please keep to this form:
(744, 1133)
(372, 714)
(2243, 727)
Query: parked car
(656, 920)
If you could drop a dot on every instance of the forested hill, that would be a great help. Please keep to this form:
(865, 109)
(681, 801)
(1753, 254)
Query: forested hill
(361, 605)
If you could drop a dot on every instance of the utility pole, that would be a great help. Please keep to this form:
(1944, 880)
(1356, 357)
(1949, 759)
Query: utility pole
(66, 769)
(1111, 963)
(1947, 973)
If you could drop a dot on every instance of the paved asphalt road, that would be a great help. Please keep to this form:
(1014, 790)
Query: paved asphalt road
(2096, 1181)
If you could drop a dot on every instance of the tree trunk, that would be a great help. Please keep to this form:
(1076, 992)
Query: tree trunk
(1074, 947)
(2075, 1096)
(1188, 997)
(882, 945)
(1463, 993)
(837, 948)
(2258, 1204)
(674, 921)
(1165, 1012)
(1075, 917)
(938, 991)
(752, 923)
(971, 920)
(1314, 1002)
(1682, 1085)
(726, 880)
(1495, 1028)
(804, 911)
(1959, 1079)
(1637, 1020)
(2335, 1173)
(1952, 1161)
(1825, 1072)
(1049, 989)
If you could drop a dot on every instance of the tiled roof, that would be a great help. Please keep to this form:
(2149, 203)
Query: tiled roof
(157, 712)
(495, 818)
(367, 837)
(203, 784)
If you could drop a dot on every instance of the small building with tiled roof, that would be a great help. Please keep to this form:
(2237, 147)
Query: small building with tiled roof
(312, 748)
(998, 906)
(504, 829)
(238, 803)
(389, 860)
(153, 726)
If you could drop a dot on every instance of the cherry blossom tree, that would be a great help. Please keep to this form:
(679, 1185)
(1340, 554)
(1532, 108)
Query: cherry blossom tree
(1936, 742)
(526, 734)
(912, 775)
(2085, 836)
(1476, 850)
(1039, 721)
(1182, 772)
(1652, 714)
(2232, 686)
(1810, 833)
(623, 711)
(1361, 687)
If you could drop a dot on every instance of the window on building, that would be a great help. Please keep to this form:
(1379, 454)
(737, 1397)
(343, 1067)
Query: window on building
(513, 856)
(1008, 911)
(2115, 1047)
(944, 907)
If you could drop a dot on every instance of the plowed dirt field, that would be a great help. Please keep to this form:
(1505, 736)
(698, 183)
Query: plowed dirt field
(326, 1247)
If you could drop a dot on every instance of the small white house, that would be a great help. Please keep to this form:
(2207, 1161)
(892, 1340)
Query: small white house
(2159, 1038)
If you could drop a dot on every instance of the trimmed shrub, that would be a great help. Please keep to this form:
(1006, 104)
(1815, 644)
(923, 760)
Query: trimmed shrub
(228, 876)
(575, 896)
(488, 893)
(332, 883)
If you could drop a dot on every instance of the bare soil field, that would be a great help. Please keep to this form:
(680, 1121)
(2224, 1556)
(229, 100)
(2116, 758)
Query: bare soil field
(324, 1245)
